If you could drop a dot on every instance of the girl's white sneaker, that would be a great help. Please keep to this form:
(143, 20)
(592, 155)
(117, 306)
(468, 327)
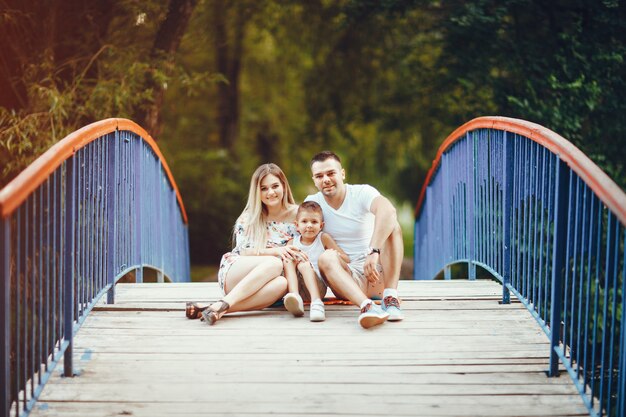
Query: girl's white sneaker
(293, 304)
(316, 312)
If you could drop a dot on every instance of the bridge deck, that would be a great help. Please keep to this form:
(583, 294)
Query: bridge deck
(458, 353)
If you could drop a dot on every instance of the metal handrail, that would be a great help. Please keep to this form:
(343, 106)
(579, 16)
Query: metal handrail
(532, 209)
(97, 205)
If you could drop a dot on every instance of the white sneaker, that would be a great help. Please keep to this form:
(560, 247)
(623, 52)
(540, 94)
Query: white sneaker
(293, 304)
(372, 315)
(391, 305)
(316, 312)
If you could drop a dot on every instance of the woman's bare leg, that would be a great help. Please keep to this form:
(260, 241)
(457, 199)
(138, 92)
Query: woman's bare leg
(248, 275)
(265, 297)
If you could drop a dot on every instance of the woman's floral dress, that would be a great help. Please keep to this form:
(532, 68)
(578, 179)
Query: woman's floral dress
(278, 234)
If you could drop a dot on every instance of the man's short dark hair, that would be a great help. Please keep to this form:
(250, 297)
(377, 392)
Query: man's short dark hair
(324, 155)
(310, 206)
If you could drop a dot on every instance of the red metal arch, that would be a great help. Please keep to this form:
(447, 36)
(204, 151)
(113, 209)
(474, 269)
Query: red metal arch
(18, 190)
(603, 186)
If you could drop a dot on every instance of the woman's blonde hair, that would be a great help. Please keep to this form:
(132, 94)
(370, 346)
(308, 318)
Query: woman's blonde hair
(253, 216)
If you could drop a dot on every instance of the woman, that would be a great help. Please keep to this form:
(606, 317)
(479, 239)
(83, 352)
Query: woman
(251, 275)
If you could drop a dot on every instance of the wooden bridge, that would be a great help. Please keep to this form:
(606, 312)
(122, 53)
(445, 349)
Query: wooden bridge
(458, 353)
(505, 195)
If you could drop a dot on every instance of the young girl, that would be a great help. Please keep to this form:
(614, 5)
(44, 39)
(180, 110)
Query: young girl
(313, 242)
(250, 275)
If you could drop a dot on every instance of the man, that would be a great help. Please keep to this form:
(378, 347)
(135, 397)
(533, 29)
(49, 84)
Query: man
(365, 226)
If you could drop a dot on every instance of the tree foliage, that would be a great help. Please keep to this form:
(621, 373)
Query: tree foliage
(227, 85)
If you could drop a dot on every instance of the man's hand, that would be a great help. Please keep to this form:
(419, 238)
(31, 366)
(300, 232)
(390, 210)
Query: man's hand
(371, 268)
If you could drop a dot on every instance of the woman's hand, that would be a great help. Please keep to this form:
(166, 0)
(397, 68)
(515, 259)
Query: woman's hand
(290, 253)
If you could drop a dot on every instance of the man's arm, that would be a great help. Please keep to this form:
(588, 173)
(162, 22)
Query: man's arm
(384, 223)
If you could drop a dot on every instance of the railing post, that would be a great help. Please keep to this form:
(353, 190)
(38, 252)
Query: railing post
(5, 316)
(446, 216)
(558, 261)
(508, 212)
(621, 388)
(112, 218)
(138, 208)
(68, 285)
(471, 201)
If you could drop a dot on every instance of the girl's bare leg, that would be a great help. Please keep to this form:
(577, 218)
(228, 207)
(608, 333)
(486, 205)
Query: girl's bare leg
(291, 276)
(310, 279)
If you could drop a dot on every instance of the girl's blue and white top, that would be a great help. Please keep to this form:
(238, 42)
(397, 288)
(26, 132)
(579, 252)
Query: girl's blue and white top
(313, 251)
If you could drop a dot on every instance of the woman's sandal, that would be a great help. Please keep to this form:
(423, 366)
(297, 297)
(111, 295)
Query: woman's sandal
(211, 316)
(194, 311)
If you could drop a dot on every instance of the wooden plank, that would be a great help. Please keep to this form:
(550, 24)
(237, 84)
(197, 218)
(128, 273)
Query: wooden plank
(454, 355)
(501, 406)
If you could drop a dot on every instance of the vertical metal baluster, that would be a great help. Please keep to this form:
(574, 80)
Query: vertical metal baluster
(111, 218)
(27, 288)
(588, 278)
(78, 277)
(529, 220)
(129, 230)
(488, 200)
(161, 235)
(608, 272)
(512, 143)
(104, 173)
(572, 306)
(82, 253)
(48, 340)
(94, 216)
(507, 185)
(470, 221)
(89, 233)
(33, 289)
(19, 306)
(121, 204)
(481, 203)
(596, 302)
(612, 274)
(57, 231)
(39, 301)
(524, 233)
(68, 296)
(99, 219)
(621, 397)
(5, 315)
(541, 256)
(536, 201)
(581, 279)
(93, 219)
(568, 243)
(558, 261)
(548, 233)
(446, 215)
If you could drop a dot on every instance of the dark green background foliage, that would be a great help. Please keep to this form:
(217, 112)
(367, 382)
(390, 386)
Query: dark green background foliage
(224, 85)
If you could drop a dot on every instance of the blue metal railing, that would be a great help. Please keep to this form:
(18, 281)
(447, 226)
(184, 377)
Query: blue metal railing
(523, 203)
(108, 207)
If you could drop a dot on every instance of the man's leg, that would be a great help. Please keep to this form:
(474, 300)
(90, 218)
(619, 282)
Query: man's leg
(334, 269)
(391, 256)
(391, 260)
(343, 285)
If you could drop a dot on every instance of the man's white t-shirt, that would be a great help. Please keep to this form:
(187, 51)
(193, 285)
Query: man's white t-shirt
(352, 225)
